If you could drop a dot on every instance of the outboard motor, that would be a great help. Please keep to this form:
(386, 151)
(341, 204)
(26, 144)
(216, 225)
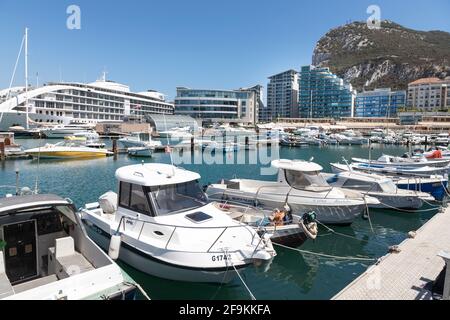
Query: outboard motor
(309, 224)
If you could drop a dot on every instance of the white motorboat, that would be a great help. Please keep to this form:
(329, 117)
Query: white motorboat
(421, 179)
(382, 188)
(178, 133)
(161, 224)
(391, 161)
(140, 151)
(215, 146)
(11, 148)
(61, 131)
(45, 254)
(68, 149)
(300, 185)
(397, 171)
(139, 139)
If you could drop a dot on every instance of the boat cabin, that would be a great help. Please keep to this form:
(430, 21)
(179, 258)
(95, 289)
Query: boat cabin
(361, 182)
(157, 190)
(302, 175)
(42, 244)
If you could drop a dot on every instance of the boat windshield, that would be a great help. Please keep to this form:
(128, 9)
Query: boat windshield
(175, 198)
(302, 180)
(388, 186)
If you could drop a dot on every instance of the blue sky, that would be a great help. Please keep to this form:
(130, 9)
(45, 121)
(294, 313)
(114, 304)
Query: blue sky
(198, 43)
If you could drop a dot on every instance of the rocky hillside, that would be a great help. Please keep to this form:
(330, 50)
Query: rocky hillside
(391, 56)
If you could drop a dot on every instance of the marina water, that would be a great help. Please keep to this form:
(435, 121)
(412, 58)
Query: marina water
(292, 275)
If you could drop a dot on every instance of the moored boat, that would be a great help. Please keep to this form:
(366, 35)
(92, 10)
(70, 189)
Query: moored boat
(299, 185)
(67, 150)
(161, 224)
(46, 254)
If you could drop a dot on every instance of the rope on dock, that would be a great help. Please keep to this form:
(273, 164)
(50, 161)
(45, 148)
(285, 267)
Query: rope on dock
(323, 255)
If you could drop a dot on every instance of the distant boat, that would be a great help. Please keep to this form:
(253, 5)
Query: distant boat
(61, 131)
(139, 139)
(140, 151)
(391, 161)
(67, 150)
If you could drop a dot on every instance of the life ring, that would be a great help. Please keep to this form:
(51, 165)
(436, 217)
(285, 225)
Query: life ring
(310, 230)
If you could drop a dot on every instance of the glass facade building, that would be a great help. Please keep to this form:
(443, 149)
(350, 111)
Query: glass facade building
(324, 95)
(218, 105)
(379, 103)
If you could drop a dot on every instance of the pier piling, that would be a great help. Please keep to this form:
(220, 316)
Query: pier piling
(114, 146)
(192, 144)
(2, 151)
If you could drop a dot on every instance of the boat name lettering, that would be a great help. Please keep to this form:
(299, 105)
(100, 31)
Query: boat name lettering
(221, 257)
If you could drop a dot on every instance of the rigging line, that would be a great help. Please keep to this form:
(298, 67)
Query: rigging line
(13, 75)
(242, 280)
(368, 215)
(323, 255)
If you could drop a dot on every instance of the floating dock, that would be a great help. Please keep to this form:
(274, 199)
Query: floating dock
(406, 275)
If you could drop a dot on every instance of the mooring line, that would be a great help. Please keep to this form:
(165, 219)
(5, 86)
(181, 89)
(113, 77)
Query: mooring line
(326, 255)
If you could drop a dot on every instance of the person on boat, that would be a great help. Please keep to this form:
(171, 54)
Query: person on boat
(437, 154)
(277, 217)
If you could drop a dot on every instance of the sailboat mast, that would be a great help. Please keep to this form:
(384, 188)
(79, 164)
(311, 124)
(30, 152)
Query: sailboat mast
(26, 76)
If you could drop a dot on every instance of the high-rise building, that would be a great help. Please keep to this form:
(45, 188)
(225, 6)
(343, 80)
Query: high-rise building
(282, 97)
(379, 103)
(322, 94)
(219, 105)
(429, 94)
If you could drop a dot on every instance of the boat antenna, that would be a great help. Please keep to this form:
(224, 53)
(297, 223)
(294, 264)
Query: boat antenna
(13, 74)
(346, 162)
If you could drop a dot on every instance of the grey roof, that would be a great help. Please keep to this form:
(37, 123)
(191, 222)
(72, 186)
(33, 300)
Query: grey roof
(167, 122)
(23, 202)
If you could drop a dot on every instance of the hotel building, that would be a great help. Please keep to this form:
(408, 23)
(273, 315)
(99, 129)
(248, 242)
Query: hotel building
(62, 103)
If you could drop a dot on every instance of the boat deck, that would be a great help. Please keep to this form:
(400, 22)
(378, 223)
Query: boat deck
(405, 275)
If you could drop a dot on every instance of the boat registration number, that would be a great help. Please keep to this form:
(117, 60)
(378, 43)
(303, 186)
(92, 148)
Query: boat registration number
(221, 257)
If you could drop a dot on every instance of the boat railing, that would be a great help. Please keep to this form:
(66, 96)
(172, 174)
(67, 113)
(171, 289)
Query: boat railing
(123, 219)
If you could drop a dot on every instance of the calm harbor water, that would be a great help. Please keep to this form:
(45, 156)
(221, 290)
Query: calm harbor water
(291, 275)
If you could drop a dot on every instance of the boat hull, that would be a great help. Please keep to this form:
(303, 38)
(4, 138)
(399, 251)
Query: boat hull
(158, 268)
(67, 155)
(435, 188)
(329, 213)
(399, 202)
